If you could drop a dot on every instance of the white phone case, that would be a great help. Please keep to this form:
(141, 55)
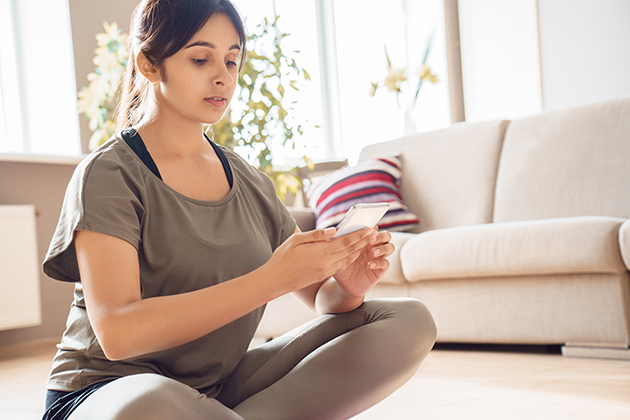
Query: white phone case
(361, 216)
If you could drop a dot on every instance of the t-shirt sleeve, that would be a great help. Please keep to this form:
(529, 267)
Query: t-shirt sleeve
(287, 222)
(102, 196)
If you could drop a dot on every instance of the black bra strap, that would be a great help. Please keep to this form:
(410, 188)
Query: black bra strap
(133, 139)
(226, 166)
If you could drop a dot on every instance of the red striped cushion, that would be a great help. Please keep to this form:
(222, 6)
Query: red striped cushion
(371, 181)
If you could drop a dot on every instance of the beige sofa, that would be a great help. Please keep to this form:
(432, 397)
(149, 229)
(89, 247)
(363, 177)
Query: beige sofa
(524, 235)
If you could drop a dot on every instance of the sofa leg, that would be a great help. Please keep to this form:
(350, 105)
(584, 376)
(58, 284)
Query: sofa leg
(619, 352)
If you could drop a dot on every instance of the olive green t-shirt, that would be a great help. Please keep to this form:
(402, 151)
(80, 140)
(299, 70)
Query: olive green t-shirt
(183, 245)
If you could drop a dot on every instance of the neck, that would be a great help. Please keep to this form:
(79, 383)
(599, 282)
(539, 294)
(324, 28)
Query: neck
(167, 136)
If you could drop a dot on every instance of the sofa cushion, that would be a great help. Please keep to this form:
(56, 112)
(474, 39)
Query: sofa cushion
(624, 242)
(566, 163)
(538, 247)
(448, 175)
(371, 181)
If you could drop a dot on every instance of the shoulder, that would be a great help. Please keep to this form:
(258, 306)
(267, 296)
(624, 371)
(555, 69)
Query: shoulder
(113, 153)
(112, 170)
(245, 171)
(112, 160)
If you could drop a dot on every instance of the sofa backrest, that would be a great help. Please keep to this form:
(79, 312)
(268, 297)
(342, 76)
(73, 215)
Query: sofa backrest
(448, 175)
(573, 162)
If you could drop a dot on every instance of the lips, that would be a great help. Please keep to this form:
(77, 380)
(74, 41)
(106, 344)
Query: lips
(217, 101)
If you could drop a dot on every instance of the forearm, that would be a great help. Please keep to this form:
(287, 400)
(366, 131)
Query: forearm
(127, 325)
(332, 298)
(164, 322)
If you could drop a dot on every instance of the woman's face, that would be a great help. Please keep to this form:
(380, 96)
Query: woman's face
(198, 81)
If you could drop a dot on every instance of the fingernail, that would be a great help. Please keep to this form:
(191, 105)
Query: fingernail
(376, 252)
(372, 265)
(329, 231)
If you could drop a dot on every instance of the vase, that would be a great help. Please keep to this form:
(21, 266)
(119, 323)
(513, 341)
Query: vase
(410, 124)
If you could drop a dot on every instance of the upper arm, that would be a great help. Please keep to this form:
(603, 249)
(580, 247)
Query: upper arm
(110, 274)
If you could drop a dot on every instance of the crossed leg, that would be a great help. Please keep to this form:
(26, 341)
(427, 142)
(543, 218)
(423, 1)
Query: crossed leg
(333, 367)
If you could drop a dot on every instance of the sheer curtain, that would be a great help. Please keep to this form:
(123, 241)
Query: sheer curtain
(38, 113)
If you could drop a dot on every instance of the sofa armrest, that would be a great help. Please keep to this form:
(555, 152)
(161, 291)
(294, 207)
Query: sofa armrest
(304, 217)
(624, 243)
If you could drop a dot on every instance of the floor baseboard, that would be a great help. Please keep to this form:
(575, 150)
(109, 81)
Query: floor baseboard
(18, 349)
(596, 352)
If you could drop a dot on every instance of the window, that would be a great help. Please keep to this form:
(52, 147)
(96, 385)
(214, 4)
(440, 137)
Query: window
(341, 44)
(10, 101)
(297, 19)
(38, 113)
(363, 30)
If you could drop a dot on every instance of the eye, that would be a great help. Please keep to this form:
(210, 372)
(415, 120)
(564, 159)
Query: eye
(231, 64)
(199, 61)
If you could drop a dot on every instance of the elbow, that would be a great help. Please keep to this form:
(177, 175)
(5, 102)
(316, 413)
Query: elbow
(111, 347)
(112, 341)
(113, 353)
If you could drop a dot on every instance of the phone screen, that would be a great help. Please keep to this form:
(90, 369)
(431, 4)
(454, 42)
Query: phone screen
(361, 216)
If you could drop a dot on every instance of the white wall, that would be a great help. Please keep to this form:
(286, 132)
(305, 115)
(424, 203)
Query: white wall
(585, 51)
(500, 59)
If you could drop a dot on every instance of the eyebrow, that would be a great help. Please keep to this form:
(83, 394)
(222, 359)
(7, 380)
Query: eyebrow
(211, 46)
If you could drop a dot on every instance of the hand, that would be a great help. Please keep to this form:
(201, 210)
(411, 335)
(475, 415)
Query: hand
(361, 275)
(311, 257)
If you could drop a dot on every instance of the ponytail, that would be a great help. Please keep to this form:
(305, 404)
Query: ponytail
(135, 89)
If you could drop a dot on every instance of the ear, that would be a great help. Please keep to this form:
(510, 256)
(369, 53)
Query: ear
(148, 70)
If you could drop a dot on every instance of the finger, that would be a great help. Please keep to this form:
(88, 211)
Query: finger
(352, 244)
(347, 240)
(379, 265)
(383, 237)
(382, 251)
(318, 235)
(347, 260)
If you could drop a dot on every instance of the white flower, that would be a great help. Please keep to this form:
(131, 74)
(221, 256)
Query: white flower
(98, 100)
(425, 74)
(394, 79)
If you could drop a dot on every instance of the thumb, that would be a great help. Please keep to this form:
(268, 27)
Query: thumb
(318, 235)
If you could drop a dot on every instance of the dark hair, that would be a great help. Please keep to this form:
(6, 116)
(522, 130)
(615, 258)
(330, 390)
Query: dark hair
(160, 28)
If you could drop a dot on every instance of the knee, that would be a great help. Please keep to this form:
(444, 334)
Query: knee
(157, 397)
(404, 333)
(420, 322)
(138, 397)
(412, 321)
(418, 314)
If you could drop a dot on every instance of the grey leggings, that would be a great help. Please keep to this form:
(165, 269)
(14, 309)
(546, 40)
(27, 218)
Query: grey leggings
(333, 367)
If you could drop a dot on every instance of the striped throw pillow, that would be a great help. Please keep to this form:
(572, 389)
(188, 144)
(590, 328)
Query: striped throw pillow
(371, 181)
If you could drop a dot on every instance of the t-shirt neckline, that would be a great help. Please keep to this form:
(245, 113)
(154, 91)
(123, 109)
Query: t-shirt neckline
(160, 182)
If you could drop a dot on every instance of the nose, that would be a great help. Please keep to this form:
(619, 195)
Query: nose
(223, 77)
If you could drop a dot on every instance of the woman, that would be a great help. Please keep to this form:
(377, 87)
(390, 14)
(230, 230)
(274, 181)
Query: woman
(176, 245)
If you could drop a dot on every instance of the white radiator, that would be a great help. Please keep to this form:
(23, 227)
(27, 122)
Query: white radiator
(19, 268)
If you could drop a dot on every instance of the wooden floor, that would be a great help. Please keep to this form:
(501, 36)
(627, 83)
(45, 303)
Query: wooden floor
(451, 384)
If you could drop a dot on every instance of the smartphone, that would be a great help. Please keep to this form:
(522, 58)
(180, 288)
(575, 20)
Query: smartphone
(360, 216)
